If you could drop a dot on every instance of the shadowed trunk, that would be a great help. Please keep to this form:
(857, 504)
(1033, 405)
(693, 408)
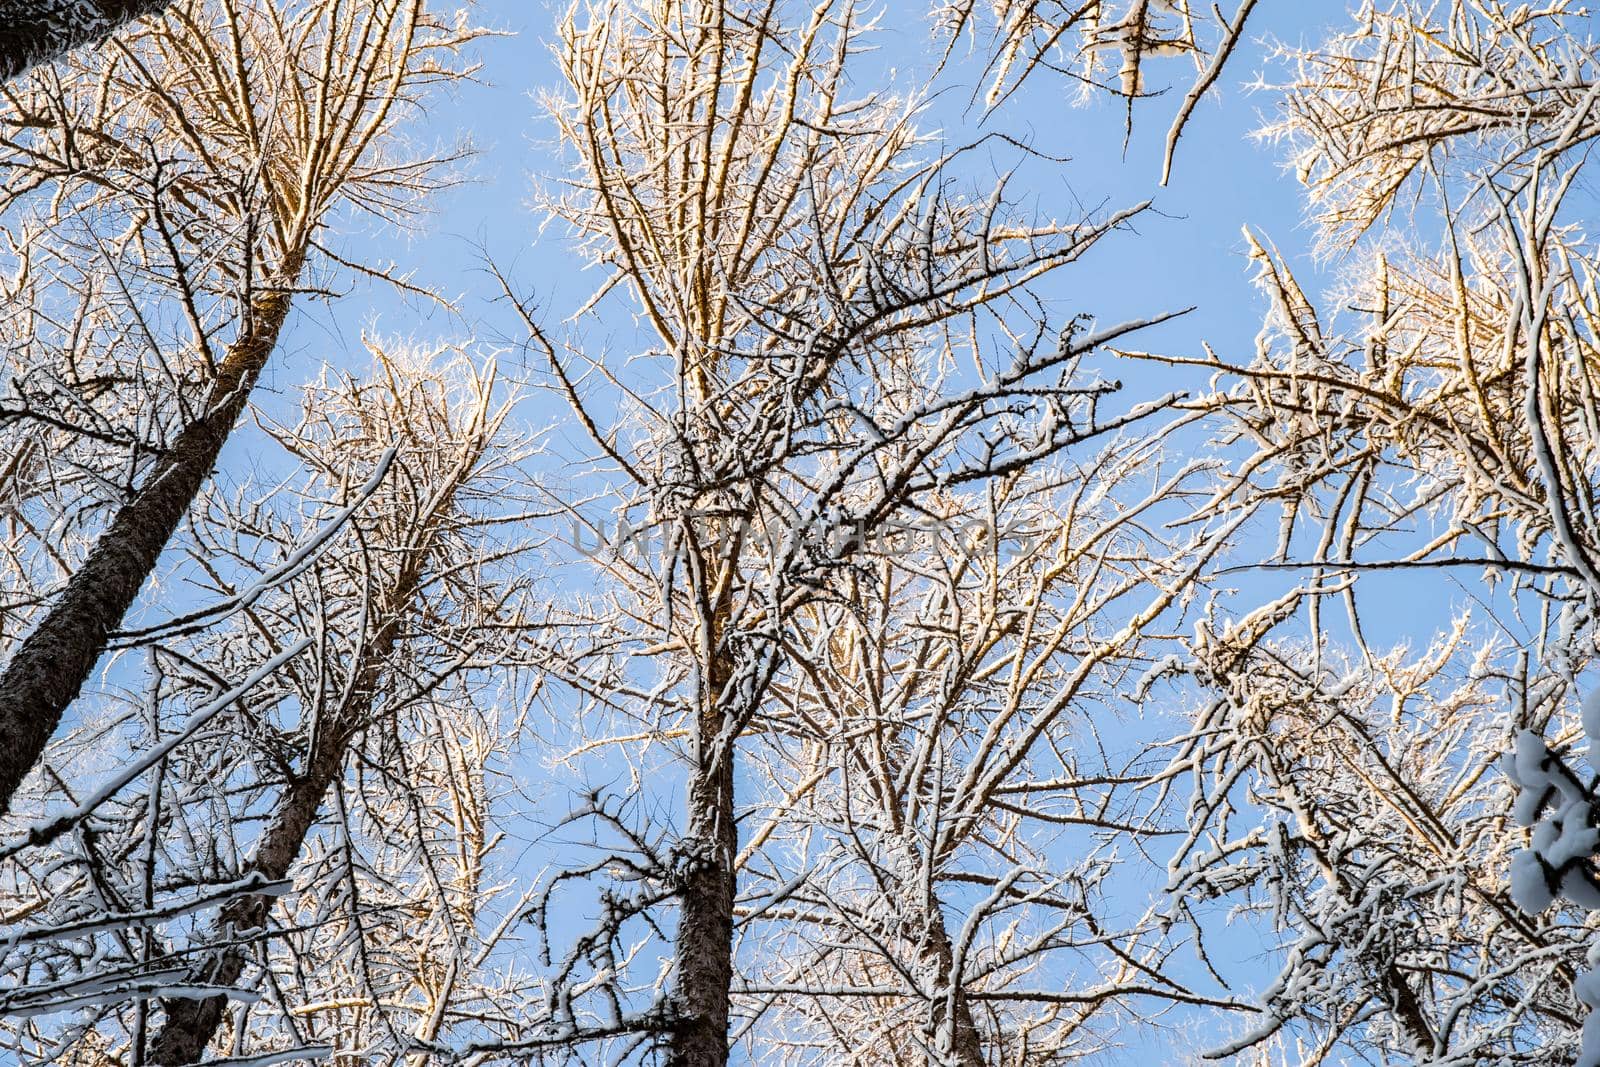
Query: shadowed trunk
(705, 921)
(50, 666)
(37, 31)
(956, 1040)
(191, 1024)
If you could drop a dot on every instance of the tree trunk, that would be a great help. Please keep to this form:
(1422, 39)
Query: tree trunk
(37, 31)
(705, 928)
(954, 1042)
(705, 920)
(191, 1024)
(49, 668)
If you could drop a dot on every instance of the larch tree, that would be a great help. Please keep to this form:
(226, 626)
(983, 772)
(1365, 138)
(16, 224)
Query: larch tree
(166, 198)
(835, 334)
(309, 863)
(954, 742)
(1356, 806)
(1442, 423)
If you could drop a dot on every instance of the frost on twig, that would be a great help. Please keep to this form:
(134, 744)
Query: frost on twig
(1099, 47)
(841, 338)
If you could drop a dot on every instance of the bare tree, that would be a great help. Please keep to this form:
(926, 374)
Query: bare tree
(814, 288)
(198, 161)
(1356, 805)
(951, 744)
(401, 621)
(1442, 425)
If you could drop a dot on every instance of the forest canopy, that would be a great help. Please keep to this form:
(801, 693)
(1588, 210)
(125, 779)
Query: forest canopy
(694, 532)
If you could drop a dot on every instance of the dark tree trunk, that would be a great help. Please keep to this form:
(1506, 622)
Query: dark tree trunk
(962, 1045)
(705, 921)
(705, 926)
(49, 668)
(37, 31)
(191, 1024)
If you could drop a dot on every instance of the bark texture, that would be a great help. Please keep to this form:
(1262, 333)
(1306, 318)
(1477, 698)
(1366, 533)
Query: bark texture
(705, 920)
(956, 1039)
(50, 666)
(37, 31)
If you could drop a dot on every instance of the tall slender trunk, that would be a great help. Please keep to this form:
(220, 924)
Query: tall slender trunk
(48, 669)
(191, 1024)
(705, 919)
(37, 31)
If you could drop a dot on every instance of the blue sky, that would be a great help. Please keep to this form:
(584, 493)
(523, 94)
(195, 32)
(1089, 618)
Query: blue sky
(1188, 251)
